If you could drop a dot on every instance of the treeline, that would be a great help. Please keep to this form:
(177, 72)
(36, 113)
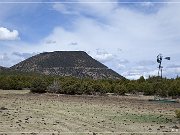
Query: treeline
(69, 85)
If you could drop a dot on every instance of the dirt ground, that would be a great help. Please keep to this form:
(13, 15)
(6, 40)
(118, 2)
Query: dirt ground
(22, 112)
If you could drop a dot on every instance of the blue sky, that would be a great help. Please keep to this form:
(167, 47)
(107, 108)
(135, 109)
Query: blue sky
(126, 37)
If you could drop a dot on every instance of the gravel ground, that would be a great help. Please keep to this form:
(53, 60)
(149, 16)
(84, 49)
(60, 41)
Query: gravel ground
(22, 112)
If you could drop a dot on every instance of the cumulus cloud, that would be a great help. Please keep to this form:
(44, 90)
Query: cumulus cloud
(50, 42)
(121, 66)
(73, 43)
(131, 75)
(103, 56)
(84, 7)
(146, 63)
(65, 9)
(6, 34)
(24, 55)
(147, 4)
(173, 66)
(137, 73)
(111, 26)
(4, 57)
(122, 61)
(172, 70)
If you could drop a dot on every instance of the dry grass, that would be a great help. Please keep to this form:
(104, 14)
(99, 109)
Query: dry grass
(39, 113)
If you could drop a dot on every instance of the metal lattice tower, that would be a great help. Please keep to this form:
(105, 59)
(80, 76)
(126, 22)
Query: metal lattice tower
(159, 60)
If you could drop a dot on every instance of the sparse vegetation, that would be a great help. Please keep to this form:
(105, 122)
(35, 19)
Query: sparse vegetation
(22, 112)
(55, 87)
(177, 113)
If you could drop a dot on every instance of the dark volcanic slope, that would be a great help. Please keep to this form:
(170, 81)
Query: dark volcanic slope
(66, 63)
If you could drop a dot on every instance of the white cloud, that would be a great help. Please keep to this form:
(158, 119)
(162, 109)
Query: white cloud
(64, 9)
(85, 7)
(146, 63)
(173, 66)
(103, 56)
(4, 57)
(6, 34)
(121, 66)
(122, 61)
(172, 70)
(133, 77)
(147, 4)
(50, 42)
(136, 74)
(73, 43)
(24, 55)
(140, 36)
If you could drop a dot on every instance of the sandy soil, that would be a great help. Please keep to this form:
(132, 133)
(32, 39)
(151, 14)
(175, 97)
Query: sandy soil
(24, 113)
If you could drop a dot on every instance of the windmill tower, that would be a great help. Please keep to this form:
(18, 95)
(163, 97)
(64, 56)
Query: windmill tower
(159, 60)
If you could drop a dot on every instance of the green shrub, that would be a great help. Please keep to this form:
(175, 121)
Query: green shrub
(147, 88)
(98, 87)
(70, 85)
(86, 87)
(177, 112)
(131, 87)
(39, 85)
(120, 89)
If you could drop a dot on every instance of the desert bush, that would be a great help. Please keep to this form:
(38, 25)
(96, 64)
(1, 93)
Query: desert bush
(141, 79)
(39, 85)
(177, 112)
(55, 87)
(71, 85)
(5, 83)
(120, 89)
(147, 88)
(131, 87)
(174, 89)
(87, 88)
(98, 87)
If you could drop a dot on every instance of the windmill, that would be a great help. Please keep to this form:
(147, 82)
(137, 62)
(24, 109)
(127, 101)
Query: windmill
(159, 60)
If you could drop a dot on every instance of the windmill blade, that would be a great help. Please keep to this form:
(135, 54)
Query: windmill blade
(167, 58)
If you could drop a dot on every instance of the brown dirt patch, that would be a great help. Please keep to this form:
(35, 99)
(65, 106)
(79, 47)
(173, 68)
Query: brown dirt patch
(48, 113)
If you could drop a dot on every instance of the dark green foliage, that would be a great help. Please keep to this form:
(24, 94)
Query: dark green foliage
(132, 87)
(70, 85)
(120, 89)
(174, 88)
(141, 79)
(147, 88)
(86, 88)
(39, 85)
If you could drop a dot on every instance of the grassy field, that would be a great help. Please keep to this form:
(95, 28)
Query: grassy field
(22, 112)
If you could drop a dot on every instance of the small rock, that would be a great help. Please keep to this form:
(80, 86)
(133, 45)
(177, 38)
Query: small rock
(161, 126)
(3, 108)
(175, 127)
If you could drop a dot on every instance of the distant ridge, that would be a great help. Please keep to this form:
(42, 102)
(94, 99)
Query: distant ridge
(66, 63)
(3, 68)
